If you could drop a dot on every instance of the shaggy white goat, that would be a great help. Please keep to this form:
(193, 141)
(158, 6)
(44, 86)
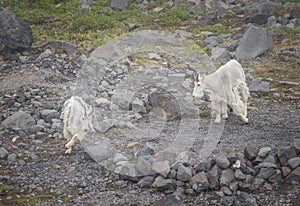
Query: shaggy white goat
(77, 118)
(226, 86)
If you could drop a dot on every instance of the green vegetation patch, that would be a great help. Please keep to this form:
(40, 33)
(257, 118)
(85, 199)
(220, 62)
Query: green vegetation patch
(216, 29)
(63, 20)
(204, 113)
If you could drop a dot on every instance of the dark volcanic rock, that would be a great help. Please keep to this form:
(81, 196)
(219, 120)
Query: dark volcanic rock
(250, 152)
(168, 201)
(15, 34)
(266, 173)
(285, 154)
(293, 177)
(163, 184)
(245, 199)
(213, 177)
(3, 153)
(260, 12)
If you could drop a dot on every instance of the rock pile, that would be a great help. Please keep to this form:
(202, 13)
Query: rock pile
(54, 62)
(231, 175)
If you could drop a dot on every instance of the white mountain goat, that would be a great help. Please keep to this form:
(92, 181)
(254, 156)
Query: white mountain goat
(226, 86)
(77, 118)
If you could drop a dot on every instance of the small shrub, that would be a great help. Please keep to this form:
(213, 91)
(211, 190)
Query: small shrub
(204, 113)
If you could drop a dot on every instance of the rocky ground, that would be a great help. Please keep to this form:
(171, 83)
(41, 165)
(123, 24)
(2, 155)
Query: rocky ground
(36, 171)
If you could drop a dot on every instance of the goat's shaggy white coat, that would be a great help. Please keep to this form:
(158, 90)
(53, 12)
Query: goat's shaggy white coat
(226, 86)
(77, 119)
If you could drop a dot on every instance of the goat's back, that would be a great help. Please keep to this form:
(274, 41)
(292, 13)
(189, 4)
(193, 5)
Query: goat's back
(227, 76)
(76, 115)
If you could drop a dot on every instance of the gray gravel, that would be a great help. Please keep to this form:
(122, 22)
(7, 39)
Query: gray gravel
(36, 171)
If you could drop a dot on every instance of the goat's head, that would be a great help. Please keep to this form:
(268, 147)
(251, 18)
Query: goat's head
(199, 86)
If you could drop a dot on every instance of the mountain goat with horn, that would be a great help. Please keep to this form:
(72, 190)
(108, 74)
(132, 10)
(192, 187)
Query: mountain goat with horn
(225, 87)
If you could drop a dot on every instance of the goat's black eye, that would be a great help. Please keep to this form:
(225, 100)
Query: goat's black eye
(198, 85)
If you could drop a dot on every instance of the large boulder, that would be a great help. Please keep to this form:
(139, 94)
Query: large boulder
(15, 34)
(254, 42)
(168, 104)
(259, 86)
(19, 120)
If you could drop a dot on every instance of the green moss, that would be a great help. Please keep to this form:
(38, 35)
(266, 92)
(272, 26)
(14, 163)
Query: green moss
(282, 72)
(205, 50)
(204, 113)
(216, 28)
(148, 108)
(291, 33)
(173, 16)
(33, 200)
(25, 198)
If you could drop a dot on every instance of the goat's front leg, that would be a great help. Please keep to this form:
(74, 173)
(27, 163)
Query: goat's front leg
(71, 143)
(218, 116)
(224, 110)
(217, 107)
(91, 127)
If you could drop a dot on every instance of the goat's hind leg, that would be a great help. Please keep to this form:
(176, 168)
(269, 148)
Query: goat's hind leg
(244, 96)
(239, 107)
(243, 118)
(66, 134)
(91, 127)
